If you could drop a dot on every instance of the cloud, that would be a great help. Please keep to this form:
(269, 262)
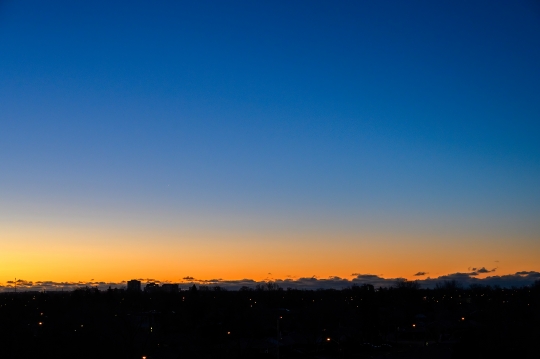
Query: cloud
(525, 272)
(518, 279)
(419, 274)
(55, 286)
(484, 270)
(374, 280)
(147, 280)
(367, 277)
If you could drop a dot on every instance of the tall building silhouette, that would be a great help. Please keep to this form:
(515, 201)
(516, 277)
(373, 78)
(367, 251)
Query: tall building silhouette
(134, 285)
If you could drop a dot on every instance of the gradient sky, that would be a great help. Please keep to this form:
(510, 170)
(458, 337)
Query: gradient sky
(297, 138)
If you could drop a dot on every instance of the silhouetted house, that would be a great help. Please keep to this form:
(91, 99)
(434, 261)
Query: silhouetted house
(134, 285)
(170, 288)
(151, 287)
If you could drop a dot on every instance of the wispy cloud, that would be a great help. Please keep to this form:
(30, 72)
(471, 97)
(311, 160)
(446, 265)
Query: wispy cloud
(484, 270)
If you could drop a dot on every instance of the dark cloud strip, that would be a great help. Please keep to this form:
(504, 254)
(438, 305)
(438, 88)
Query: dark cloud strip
(519, 279)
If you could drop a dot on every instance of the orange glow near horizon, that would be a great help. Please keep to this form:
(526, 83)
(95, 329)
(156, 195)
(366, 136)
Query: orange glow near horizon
(75, 254)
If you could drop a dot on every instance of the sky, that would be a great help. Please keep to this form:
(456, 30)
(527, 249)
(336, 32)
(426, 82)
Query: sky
(268, 140)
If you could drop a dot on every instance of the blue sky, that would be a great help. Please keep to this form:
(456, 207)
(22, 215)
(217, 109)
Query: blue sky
(305, 114)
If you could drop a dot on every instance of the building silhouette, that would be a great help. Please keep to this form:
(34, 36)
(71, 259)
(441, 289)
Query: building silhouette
(134, 285)
(169, 288)
(152, 287)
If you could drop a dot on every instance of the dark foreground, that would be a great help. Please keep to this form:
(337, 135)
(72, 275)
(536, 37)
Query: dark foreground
(359, 322)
